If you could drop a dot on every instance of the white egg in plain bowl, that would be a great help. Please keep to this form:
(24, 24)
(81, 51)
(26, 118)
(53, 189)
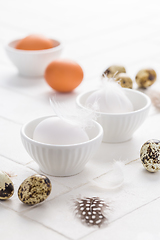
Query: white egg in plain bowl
(119, 127)
(61, 160)
(110, 99)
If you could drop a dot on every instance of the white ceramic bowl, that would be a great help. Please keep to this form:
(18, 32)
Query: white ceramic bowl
(61, 160)
(32, 63)
(119, 127)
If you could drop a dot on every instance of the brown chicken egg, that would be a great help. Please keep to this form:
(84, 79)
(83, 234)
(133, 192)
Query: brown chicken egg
(34, 42)
(63, 75)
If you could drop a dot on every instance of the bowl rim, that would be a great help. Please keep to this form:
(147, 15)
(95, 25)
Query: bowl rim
(43, 51)
(116, 114)
(22, 132)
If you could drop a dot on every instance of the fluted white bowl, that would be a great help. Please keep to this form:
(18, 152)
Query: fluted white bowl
(119, 127)
(32, 63)
(61, 160)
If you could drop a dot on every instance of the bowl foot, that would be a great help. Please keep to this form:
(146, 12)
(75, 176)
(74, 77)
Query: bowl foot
(60, 174)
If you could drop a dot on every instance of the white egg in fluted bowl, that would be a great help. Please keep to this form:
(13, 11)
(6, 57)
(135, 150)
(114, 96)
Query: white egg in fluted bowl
(119, 127)
(33, 63)
(61, 160)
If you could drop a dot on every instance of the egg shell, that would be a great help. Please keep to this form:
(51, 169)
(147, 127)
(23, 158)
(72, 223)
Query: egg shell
(34, 42)
(56, 131)
(6, 186)
(34, 189)
(63, 75)
(150, 155)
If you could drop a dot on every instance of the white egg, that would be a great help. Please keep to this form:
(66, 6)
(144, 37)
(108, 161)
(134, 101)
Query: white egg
(56, 131)
(111, 99)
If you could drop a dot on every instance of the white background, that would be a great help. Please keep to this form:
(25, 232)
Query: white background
(96, 34)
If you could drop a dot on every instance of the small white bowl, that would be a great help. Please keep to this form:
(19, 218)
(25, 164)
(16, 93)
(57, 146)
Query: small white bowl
(32, 63)
(119, 127)
(61, 160)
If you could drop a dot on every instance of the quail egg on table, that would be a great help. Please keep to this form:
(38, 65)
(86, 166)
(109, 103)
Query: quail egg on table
(150, 155)
(145, 77)
(34, 189)
(124, 80)
(6, 186)
(109, 72)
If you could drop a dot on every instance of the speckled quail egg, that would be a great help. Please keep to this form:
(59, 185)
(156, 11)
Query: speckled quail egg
(109, 72)
(124, 80)
(6, 186)
(145, 78)
(150, 155)
(34, 189)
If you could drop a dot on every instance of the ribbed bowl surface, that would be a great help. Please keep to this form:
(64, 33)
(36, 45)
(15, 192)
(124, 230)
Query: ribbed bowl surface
(59, 160)
(121, 126)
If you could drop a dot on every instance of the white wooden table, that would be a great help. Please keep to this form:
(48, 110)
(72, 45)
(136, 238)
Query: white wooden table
(96, 34)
